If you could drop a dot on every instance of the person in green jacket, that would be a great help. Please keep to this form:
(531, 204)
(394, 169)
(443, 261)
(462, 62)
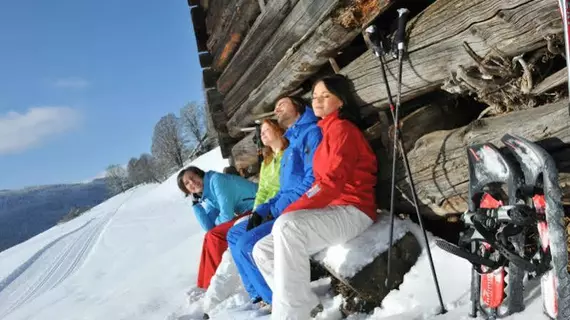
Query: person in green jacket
(274, 142)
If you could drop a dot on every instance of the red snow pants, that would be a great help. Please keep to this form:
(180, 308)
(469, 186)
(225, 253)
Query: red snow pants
(214, 246)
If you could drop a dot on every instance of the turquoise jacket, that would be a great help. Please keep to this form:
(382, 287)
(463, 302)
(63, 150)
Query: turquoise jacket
(224, 197)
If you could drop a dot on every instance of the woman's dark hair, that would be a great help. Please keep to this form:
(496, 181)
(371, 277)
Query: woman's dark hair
(197, 171)
(342, 87)
(299, 103)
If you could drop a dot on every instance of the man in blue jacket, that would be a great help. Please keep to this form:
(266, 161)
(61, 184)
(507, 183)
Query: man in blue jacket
(223, 199)
(296, 177)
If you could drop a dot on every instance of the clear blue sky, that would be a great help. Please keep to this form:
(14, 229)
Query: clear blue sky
(82, 83)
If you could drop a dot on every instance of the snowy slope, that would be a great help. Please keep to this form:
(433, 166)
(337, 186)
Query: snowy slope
(136, 256)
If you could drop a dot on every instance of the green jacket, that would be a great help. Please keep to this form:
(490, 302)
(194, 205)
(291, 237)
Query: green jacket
(268, 180)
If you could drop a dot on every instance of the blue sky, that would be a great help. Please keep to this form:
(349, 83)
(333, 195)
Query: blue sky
(82, 83)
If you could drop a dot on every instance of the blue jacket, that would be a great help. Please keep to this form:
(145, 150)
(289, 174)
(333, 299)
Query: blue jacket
(296, 176)
(224, 196)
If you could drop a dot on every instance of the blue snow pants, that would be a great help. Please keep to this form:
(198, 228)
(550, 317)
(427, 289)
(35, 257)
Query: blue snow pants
(241, 244)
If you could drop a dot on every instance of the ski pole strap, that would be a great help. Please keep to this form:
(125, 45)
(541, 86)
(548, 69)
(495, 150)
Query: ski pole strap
(401, 33)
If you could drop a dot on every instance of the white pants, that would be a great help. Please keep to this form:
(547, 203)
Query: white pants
(225, 282)
(283, 256)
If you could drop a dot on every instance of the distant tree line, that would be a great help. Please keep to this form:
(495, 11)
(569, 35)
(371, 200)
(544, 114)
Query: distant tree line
(176, 140)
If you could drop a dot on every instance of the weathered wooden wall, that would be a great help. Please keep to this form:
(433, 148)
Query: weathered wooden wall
(323, 40)
(435, 49)
(248, 47)
(436, 40)
(259, 53)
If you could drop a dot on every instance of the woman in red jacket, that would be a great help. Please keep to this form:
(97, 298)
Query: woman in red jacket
(339, 206)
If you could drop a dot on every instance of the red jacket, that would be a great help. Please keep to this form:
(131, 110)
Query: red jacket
(344, 167)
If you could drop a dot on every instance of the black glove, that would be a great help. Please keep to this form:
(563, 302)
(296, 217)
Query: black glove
(254, 221)
(195, 198)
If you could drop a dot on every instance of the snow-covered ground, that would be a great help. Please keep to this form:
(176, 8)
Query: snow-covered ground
(136, 257)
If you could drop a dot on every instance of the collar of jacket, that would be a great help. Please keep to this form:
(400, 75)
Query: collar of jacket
(308, 117)
(326, 121)
(207, 193)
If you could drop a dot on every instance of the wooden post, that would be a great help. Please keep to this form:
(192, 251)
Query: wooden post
(334, 65)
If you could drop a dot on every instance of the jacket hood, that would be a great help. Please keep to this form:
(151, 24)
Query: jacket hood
(307, 118)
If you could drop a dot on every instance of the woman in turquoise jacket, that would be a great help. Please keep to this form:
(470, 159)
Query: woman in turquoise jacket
(218, 200)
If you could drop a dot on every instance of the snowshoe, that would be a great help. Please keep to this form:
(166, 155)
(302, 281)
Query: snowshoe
(495, 292)
(494, 235)
(514, 233)
(541, 185)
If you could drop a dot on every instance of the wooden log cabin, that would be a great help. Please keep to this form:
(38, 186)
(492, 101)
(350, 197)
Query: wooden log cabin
(476, 68)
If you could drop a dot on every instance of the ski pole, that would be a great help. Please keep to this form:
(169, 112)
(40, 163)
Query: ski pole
(377, 46)
(258, 142)
(563, 6)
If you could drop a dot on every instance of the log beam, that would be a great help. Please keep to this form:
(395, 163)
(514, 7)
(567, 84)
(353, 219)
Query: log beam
(304, 18)
(229, 31)
(441, 114)
(556, 79)
(335, 31)
(255, 41)
(439, 161)
(509, 27)
(244, 153)
(198, 16)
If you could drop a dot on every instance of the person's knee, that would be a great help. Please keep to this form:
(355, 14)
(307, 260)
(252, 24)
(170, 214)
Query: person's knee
(233, 235)
(209, 235)
(286, 223)
(258, 253)
(216, 234)
(245, 243)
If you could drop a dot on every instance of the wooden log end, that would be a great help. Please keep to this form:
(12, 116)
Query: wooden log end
(205, 59)
(199, 23)
(358, 13)
(209, 77)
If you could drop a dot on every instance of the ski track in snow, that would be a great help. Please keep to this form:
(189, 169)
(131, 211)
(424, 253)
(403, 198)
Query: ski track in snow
(52, 264)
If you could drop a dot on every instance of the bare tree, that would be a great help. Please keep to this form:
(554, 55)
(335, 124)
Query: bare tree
(197, 128)
(167, 144)
(117, 178)
(142, 170)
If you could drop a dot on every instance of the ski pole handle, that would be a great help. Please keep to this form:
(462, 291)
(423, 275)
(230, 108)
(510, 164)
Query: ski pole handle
(401, 33)
(374, 40)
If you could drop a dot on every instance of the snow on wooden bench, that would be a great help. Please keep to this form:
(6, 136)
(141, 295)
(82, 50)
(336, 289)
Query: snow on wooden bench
(361, 263)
